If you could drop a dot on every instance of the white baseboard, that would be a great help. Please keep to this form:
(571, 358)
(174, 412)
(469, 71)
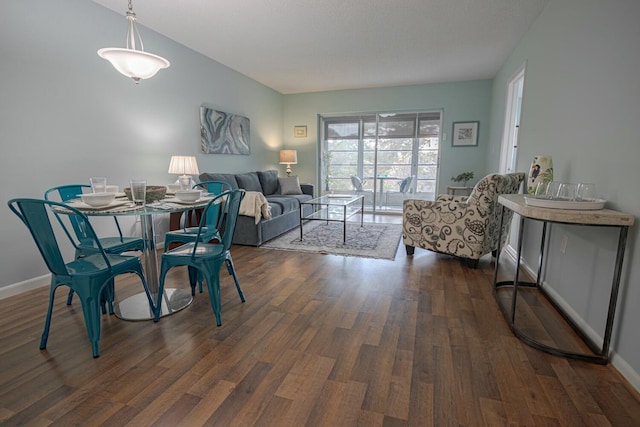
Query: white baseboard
(27, 285)
(626, 370)
(38, 282)
(621, 365)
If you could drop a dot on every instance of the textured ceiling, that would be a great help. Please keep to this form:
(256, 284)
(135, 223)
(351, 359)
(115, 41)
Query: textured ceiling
(296, 46)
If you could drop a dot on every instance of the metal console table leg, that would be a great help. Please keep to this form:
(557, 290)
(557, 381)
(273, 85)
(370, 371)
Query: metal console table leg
(600, 352)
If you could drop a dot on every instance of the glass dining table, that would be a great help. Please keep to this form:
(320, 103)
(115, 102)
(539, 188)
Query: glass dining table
(137, 307)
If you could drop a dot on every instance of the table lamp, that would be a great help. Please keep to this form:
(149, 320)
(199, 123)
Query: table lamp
(288, 157)
(185, 166)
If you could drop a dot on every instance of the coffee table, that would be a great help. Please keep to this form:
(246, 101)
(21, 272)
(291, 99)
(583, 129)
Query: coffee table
(334, 207)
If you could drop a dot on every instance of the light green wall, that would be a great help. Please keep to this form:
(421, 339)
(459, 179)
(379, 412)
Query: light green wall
(582, 106)
(462, 101)
(66, 114)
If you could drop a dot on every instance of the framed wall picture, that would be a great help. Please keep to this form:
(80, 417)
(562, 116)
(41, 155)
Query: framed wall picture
(300, 131)
(223, 133)
(465, 134)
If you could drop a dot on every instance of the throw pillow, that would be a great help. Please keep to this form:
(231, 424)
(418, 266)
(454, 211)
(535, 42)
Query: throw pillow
(249, 181)
(289, 185)
(268, 181)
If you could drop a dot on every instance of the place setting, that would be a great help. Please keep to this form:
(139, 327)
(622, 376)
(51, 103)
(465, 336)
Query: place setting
(101, 197)
(188, 197)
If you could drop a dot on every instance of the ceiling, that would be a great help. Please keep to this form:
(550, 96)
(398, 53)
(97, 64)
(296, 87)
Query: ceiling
(296, 46)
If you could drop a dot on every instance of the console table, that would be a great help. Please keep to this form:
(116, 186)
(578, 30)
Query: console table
(597, 218)
(451, 189)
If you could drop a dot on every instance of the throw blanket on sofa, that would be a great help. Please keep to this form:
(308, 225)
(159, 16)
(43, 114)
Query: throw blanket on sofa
(255, 204)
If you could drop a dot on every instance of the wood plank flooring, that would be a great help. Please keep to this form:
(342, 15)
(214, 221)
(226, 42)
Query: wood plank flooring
(321, 341)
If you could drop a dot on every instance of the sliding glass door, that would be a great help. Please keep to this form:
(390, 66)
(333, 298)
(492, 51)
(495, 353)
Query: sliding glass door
(393, 156)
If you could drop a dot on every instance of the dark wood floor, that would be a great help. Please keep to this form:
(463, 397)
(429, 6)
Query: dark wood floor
(321, 341)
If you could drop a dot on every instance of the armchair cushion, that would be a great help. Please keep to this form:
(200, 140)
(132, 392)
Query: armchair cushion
(467, 227)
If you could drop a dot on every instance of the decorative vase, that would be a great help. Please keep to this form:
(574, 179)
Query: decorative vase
(541, 171)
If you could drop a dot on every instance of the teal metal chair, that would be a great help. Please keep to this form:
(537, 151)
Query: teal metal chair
(212, 221)
(88, 276)
(84, 244)
(210, 231)
(207, 258)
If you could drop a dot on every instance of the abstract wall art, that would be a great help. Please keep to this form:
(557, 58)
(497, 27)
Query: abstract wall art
(465, 134)
(223, 133)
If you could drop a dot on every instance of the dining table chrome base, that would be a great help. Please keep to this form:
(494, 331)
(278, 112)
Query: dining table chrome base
(137, 307)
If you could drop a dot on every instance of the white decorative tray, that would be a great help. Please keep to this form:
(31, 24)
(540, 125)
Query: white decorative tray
(580, 205)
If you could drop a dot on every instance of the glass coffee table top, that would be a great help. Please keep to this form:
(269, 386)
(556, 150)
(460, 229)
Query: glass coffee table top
(333, 207)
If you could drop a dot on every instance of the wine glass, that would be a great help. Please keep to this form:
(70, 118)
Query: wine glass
(542, 189)
(552, 190)
(586, 191)
(567, 191)
(138, 191)
(98, 184)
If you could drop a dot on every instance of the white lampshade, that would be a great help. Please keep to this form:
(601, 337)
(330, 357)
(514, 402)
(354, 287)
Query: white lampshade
(289, 157)
(131, 61)
(183, 165)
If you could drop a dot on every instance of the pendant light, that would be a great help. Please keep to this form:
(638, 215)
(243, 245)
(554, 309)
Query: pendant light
(130, 61)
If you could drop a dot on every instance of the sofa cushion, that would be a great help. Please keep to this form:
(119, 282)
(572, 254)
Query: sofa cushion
(268, 181)
(289, 185)
(225, 177)
(276, 208)
(249, 181)
(283, 204)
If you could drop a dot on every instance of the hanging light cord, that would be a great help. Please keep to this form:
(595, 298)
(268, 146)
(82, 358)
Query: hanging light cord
(132, 30)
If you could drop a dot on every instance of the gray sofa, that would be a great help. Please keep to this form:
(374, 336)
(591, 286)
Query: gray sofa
(285, 208)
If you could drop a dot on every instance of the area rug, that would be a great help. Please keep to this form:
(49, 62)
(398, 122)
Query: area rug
(370, 241)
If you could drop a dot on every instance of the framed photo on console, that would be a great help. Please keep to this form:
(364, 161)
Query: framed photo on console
(465, 134)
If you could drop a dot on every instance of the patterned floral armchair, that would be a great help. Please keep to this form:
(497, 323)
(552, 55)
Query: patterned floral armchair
(462, 226)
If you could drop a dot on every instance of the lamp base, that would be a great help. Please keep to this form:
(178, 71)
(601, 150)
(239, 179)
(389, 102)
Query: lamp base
(288, 170)
(185, 182)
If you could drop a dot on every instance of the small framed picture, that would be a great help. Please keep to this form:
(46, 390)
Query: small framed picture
(465, 134)
(300, 131)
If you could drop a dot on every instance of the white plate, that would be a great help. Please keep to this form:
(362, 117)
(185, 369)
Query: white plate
(85, 207)
(579, 205)
(184, 202)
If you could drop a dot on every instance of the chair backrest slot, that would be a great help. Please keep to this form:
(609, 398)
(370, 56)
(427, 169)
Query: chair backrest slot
(212, 216)
(228, 204)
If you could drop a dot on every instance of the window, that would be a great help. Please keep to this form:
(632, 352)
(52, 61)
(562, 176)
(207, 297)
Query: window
(381, 149)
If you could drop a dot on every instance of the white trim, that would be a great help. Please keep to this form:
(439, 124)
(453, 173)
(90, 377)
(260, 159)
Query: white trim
(625, 370)
(508, 130)
(25, 286)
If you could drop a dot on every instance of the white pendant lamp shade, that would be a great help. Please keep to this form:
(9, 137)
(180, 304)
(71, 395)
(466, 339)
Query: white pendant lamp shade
(135, 64)
(130, 61)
